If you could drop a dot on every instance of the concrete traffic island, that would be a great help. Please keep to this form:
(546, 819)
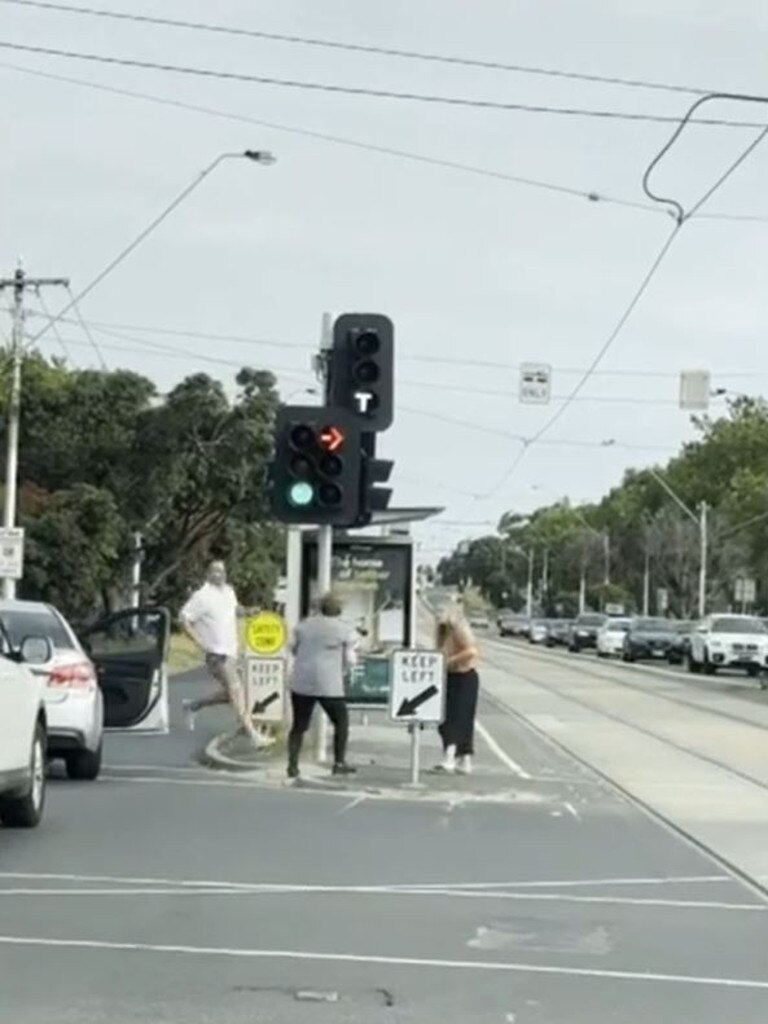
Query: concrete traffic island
(380, 751)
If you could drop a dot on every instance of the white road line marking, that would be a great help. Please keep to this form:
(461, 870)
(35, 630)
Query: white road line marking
(330, 890)
(395, 961)
(404, 886)
(360, 798)
(572, 810)
(502, 755)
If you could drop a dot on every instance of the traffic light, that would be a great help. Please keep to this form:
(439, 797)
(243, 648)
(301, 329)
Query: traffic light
(361, 368)
(374, 471)
(315, 476)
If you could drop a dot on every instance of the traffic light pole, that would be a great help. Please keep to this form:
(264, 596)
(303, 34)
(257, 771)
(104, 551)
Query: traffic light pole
(324, 533)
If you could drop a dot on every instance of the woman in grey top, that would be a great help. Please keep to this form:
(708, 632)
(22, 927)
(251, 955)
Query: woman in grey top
(323, 650)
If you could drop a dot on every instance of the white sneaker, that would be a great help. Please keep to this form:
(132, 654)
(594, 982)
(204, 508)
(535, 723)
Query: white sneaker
(464, 766)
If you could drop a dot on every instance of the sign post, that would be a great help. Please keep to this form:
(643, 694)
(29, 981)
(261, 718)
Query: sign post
(417, 695)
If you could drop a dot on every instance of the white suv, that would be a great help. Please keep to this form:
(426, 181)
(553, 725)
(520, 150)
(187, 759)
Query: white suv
(729, 641)
(22, 734)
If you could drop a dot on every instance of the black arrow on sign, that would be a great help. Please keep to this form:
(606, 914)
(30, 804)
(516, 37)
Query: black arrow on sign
(409, 707)
(261, 705)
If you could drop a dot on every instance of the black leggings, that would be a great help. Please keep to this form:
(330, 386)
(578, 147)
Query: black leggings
(303, 706)
(458, 729)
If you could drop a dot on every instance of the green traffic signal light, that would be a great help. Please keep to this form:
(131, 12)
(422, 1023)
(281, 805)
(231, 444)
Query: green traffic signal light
(300, 494)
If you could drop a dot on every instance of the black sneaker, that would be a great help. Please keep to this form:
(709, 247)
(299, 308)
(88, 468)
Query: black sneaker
(293, 771)
(344, 769)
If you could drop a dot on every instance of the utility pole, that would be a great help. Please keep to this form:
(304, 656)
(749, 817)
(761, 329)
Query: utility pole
(138, 556)
(702, 523)
(647, 582)
(703, 559)
(20, 283)
(324, 532)
(607, 556)
(529, 587)
(544, 575)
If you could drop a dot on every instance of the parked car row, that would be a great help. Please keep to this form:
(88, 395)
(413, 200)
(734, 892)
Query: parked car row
(718, 641)
(59, 691)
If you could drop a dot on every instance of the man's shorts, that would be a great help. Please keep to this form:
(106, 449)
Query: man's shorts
(224, 670)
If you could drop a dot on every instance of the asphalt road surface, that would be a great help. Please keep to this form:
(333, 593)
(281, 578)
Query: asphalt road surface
(167, 893)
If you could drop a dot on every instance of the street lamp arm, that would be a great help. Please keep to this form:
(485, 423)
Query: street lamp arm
(258, 156)
(678, 500)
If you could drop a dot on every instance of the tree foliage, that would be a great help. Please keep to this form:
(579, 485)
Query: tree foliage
(726, 466)
(102, 456)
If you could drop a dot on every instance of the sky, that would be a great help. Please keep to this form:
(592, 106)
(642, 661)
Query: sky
(479, 273)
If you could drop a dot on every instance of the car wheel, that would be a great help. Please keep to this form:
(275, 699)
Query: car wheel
(753, 671)
(709, 668)
(84, 765)
(574, 648)
(693, 666)
(27, 811)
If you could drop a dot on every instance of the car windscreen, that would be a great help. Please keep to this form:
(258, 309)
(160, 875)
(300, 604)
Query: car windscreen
(736, 625)
(20, 623)
(590, 620)
(617, 625)
(651, 625)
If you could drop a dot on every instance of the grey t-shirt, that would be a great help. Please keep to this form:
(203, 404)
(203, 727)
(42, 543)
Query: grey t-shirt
(323, 650)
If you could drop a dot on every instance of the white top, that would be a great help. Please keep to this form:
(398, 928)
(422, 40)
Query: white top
(211, 614)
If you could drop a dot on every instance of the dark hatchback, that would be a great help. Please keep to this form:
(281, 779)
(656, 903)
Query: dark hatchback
(558, 632)
(583, 631)
(649, 639)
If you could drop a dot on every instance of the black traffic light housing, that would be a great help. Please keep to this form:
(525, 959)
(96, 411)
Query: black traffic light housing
(316, 473)
(374, 471)
(361, 368)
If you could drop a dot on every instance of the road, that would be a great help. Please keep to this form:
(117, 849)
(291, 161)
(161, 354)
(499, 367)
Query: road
(167, 893)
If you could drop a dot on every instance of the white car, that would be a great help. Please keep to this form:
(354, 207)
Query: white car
(73, 700)
(729, 641)
(22, 733)
(539, 631)
(610, 638)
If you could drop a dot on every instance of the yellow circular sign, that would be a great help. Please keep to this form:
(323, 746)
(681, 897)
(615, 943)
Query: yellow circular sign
(265, 633)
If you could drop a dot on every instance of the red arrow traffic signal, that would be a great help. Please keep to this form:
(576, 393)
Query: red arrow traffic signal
(331, 438)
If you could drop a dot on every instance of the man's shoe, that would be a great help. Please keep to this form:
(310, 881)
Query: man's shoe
(464, 765)
(293, 771)
(344, 769)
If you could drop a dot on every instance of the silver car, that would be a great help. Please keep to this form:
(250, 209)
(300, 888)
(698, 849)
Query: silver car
(73, 699)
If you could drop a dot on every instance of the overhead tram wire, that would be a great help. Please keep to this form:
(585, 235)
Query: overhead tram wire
(74, 304)
(591, 195)
(681, 218)
(463, 102)
(375, 50)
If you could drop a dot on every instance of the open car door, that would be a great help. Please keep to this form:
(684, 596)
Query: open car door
(129, 649)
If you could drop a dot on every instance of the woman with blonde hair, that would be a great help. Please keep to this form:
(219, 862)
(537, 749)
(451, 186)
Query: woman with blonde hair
(457, 644)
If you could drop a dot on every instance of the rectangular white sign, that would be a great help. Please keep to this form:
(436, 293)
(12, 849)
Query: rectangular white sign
(535, 383)
(11, 553)
(695, 389)
(417, 688)
(265, 688)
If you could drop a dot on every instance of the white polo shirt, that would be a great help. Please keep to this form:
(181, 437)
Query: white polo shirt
(211, 614)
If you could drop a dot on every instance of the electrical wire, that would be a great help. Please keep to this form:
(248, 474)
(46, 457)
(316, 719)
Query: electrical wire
(86, 329)
(681, 220)
(591, 195)
(54, 326)
(348, 90)
(384, 51)
(118, 330)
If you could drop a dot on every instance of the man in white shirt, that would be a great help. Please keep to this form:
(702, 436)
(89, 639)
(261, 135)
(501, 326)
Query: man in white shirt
(209, 618)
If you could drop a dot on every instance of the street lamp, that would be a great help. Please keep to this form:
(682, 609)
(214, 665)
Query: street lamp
(258, 156)
(701, 522)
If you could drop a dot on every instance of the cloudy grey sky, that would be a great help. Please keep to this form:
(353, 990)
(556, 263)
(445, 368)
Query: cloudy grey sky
(473, 270)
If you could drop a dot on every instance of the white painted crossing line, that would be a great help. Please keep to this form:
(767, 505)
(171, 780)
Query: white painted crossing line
(500, 753)
(607, 974)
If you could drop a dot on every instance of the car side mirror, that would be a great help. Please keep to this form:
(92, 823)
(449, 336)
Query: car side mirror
(36, 650)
